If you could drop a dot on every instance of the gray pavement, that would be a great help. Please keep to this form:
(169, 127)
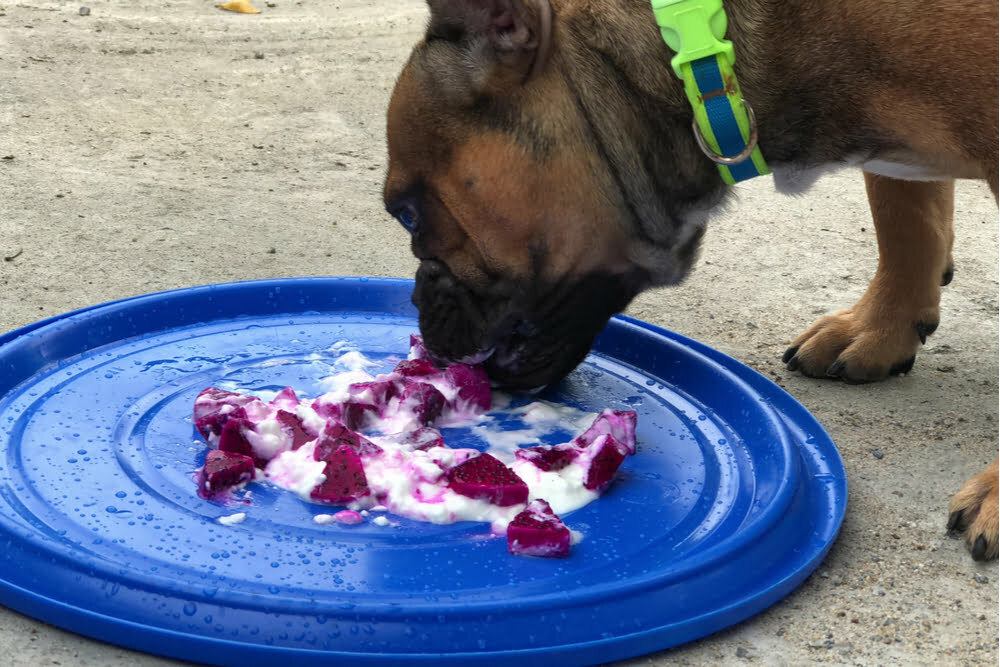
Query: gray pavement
(149, 146)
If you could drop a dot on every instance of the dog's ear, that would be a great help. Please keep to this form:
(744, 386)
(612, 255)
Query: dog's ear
(507, 41)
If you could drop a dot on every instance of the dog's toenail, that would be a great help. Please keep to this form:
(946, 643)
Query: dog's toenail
(793, 363)
(836, 369)
(947, 275)
(954, 523)
(925, 329)
(789, 353)
(979, 548)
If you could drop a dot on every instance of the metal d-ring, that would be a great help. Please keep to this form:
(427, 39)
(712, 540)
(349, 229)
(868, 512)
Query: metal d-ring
(735, 159)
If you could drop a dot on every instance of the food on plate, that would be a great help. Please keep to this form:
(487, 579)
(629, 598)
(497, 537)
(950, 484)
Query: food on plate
(537, 531)
(223, 471)
(375, 444)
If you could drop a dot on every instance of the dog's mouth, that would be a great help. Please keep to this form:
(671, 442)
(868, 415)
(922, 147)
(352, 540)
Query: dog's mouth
(526, 334)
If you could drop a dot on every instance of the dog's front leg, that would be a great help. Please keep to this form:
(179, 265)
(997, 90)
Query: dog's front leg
(881, 333)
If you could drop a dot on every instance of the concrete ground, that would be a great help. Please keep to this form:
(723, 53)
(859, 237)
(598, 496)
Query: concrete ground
(148, 146)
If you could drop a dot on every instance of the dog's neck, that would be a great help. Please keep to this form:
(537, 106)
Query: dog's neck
(795, 65)
(612, 57)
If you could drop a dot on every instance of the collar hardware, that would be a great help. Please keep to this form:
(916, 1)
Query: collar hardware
(724, 124)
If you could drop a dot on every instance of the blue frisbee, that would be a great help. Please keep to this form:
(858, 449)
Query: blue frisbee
(734, 496)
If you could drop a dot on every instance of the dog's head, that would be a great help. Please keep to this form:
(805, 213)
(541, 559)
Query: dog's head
(503, 171)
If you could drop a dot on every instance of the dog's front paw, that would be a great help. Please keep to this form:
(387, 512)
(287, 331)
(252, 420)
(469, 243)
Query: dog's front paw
(974, 512)
(860, 344)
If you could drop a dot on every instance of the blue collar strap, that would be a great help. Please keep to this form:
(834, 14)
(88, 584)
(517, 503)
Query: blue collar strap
(724, 124)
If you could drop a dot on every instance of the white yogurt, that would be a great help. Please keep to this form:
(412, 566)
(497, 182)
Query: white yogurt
(232, 519)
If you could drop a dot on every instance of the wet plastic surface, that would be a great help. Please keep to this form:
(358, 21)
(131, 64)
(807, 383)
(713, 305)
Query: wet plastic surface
(733, 498)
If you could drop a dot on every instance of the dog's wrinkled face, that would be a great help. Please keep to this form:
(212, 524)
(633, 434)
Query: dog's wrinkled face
(524, 253)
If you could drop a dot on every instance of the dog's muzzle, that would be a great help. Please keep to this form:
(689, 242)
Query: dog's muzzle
(527, 334)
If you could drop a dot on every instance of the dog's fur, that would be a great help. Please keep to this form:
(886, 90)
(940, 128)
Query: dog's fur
(542, 156)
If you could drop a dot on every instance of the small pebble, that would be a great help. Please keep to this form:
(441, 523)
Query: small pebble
(982, 579)
(84, 11)
(877, 453)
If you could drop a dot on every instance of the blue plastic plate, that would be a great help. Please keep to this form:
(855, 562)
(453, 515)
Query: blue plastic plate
(734, 497)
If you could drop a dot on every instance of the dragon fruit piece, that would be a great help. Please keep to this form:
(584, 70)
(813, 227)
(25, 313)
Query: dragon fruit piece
(547, 457)
(620, 424)
(487, 478)
(417, 350)
(210, 425)
(326, 409)
(473, 384)
(416, 368)
(424, 400)
(285, 399)
(223, 471)
(294, 428)
(604, 456)
(357, 415)
(537, 531)
(233, 439)
(345, 478)
(212, 400)
(213, 407)
(423, 438)
(377, 392)
(335, 435)
(348, 517)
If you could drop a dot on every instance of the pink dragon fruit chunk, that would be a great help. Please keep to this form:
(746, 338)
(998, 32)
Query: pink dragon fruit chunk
(424, 400)
(233, 439)
(487, 478)
(212, 400)
(473, 385)
(223, 471)
(345, 478)
(213, 407)
(327, 409)
(605, 455)
(417, 350)
(285, 399)
(416, 368)
(423, 438)
(619, 424)
(378, 392)
(294, 428)
(537, 531)
(335, 435)
(348, 517)
(357, 415)
(210, 426)
(548, 457)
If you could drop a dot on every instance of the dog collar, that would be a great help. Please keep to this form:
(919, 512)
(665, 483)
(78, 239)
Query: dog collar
(724, 124)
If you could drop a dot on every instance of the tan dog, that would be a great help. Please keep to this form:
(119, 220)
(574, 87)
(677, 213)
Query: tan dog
(542, 157)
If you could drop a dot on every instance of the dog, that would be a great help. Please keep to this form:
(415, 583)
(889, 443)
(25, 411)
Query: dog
(542, 157)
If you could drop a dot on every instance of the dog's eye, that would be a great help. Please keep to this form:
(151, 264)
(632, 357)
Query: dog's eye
(408, 216)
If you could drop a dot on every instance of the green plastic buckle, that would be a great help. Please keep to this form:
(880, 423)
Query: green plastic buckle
(702, 23)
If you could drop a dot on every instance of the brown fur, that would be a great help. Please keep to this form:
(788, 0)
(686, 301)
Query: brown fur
(542, 161)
